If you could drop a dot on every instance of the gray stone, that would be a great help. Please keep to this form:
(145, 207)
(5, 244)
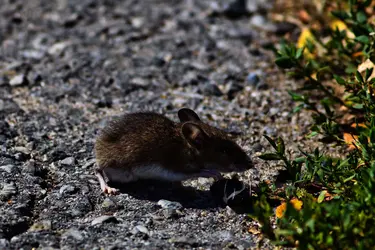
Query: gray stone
(69, 161)
(169, 204)
(103, 219)
(17, 80)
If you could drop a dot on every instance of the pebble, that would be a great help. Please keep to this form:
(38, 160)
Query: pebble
(41, 225)
(68, 161)
(233, 88)
(11, 169)
(8, 190)
(211, 89)
(17, 80)
(273, 111)
(170, 213)
(253, 79)
(103, 219)
(22, 150)
(258, 20)
(67, 189)
(73, 233)
(140, 228)
(109, 205)
(4, 244)
(170, 204)
(257, 147)
(58, 48)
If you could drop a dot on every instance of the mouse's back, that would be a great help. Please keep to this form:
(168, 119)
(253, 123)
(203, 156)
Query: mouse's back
(137, 138)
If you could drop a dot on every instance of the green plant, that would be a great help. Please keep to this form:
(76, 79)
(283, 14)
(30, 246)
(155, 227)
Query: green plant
(338, 194)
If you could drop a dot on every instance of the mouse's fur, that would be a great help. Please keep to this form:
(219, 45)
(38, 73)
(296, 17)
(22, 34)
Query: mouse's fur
(151, 146)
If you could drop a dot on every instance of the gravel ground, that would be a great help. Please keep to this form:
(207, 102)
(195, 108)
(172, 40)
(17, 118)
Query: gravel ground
(67, 67)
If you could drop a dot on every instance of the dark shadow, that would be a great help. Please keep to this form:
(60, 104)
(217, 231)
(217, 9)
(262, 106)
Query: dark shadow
(153, 190)
(225, 192)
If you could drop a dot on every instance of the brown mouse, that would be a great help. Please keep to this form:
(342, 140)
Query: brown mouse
(151, 146)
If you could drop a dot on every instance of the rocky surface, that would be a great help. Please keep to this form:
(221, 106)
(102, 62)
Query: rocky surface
(67, 67)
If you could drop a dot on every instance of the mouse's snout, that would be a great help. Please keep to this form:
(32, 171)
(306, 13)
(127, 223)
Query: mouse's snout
(243, 165)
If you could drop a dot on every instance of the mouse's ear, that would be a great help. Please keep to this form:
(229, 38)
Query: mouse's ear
(194, 134)
(186, 115)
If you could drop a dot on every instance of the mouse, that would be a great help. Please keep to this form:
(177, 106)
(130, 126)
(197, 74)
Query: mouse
(150, 146)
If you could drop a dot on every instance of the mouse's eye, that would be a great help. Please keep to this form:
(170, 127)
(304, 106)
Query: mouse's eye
(222, 150)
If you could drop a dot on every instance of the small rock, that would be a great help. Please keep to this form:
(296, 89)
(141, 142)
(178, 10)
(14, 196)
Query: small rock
(232, 89)
(103, 219)
(4, 244)
(89, 163)
(9, 168)
(235, 9)
(170, 213)
(109, 205)
(170, 204)
(68, 161)
(33, 54)
(142, 229)
(253, 79)
(8, 190)
(284, 27)
(183, 240)
(23, 150)
(273, 111)
(67, 189)
(257, 147)
(41, 225)
(258, 20)
(18, 80)
(58, 48)
(211, 89)
(73, 233)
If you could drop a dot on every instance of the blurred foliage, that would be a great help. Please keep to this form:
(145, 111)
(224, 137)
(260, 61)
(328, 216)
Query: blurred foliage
(338, 194)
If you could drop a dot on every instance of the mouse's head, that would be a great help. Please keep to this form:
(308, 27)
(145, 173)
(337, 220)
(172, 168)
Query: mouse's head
(213, 147)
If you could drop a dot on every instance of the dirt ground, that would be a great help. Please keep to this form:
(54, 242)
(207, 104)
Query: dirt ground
(67, 67)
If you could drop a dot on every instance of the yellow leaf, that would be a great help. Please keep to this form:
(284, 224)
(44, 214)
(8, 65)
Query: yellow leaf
(280, 210)
(340, 25)
(304, 37)
(349, 138)
(297, 204)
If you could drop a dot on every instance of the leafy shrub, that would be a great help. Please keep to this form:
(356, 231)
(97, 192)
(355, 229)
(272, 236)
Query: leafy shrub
(338, 194)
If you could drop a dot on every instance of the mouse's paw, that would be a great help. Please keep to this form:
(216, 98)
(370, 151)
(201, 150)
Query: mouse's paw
(109, 190)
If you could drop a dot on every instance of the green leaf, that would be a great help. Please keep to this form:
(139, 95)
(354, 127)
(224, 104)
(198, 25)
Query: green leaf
(299, 53)
(296, 97)
(358, 106)
(361, 17)
(312, 134)
(280, 146)
(339, 80)
(300, 159)
(350, 178)
(270, 157)
(321, 196)
(359, 77)
(363, 39)
(284, 62)
(368, 73)
(272, 142)
(340, 14)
